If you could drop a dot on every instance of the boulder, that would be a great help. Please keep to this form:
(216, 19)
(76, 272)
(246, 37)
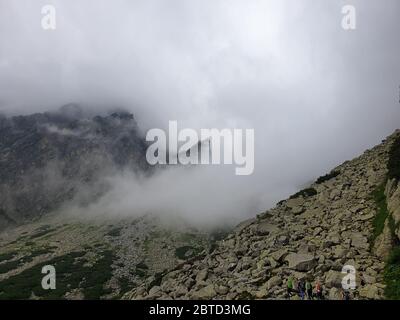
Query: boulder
(383, 243)
(279, 255)
(265, 228)
(205, 293)
(298, 210)
(334, 279)
(301, 262)
(156, 290)
(369, 292)
(202, 275)
(296, 202)
(334, 294)
(339, 252)
(243, 225)
(274, 281)
(358, 241)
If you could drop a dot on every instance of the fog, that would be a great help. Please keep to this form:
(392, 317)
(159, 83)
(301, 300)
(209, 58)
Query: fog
(315, 94)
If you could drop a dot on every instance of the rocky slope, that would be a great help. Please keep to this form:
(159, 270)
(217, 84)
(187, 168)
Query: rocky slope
(351, 216)
(310, 236)
(48, 158)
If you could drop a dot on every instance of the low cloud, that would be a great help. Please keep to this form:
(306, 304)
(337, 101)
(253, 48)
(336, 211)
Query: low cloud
(315, 94)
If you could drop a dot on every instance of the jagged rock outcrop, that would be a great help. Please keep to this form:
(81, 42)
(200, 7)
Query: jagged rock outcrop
(46, 158)
(310, 236)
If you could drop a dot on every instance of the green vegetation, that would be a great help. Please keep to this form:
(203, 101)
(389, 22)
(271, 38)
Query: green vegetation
(392, 275)
(11, 265)
(308, 192)
(382, 212)
(7, 256)
(184, 252)
(392, 267)
(281, 202)
(8, 266)
(394, 161)
(327, 177)
(71, 273)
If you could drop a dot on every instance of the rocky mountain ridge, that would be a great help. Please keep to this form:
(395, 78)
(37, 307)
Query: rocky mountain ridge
(337, 221)
(48, 158)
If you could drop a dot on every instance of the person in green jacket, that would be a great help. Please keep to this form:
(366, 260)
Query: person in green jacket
(290, 286)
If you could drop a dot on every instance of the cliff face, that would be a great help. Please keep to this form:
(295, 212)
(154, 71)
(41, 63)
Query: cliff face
(393, 195)
(47, 158)
(333, 223)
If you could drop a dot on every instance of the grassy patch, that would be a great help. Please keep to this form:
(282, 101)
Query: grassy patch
(70, 274)
(7, 256)
(382, 212)
(8, 266)
(308, 192)
(392, 267)
(11, 265)
(392, 275)
(327, 177)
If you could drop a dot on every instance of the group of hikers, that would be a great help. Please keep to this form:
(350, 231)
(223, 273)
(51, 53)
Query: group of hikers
(304, 289)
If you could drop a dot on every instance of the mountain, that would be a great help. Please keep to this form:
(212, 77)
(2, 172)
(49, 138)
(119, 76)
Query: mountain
(349, 217)
(48, 158)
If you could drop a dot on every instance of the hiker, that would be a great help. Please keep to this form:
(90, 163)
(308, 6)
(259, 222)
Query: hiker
(309, 290)
(290, 287)
(318, 290)
(301, 289)
(295, 285)
(345, 295)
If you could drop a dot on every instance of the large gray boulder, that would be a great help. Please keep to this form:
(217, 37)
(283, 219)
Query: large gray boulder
(205, 293)
(301, 261)
(358, 240)
(333, 279)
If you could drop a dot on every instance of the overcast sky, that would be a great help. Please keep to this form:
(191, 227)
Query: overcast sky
(315, 93)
